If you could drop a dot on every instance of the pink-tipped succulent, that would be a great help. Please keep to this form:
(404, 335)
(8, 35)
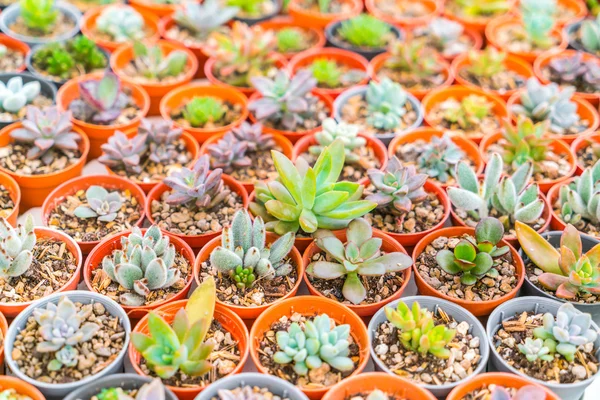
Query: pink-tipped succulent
(101, 100)
(567, 271)
(161, 138)
(122, 152)
(253, 136)
(528, 392)
(229, 152)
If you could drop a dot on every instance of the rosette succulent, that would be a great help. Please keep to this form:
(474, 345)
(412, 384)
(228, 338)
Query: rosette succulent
(365, 30)
(253, 136)
(469, 112)
(101, 100)
(439, 158)
(14, 94)
(537, 349)
(525, 143)
(529, 392)
(229, 152)
(201, 19)
(101, 204)
(16, 245)
(386, 104)
(123, 152)
(121, 23)
(347, 133)
(580, 200)
(202, 110)
(483, 8)
(538, 29)
(161, 138)
(151, 63)
(414, 58)
(39, 15)
(486, 63)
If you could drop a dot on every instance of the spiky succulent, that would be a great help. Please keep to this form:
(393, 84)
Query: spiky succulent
(101, 204)
(309, 198)
(151, 63)
(160, 138)
(417, 331)
(46, 131)
(527, 142)
(228, 152)
(580, 200)
(486, 63)
(439, 158)
(154, 390)
(575, 71)
(198, 186)
(330, 74)
(285, 100)
(529, 392)
(386, 104)
(14, 94)
(16, 245)
(100, 101)
(203, 18)
(360, 256)
(123, 152)
(291, 39)
(365, 30)
(253, 136)
(536, 349)
(347, 133)
(121, 23)
(202, 110)
(589, 35)
(313, 344)
(483, 8)
(468, 112)
(474, 257)
(414, 58)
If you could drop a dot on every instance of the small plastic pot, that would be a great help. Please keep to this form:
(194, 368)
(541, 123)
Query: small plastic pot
(182, 95)
(227, 318)
(388, 245)
(88, 26)
(278, 23)
(343, 98)
(47, 88)
(511, 63)
(460, 92)
(15, 45)
(310, 306)
(280, 141)
(584, 108)
(277, 386)
(434, 8)
(21, 387)
(558, 146)
(261, 18)
(378, 147)
(475, 23)
(536, 305)
(495, 378)
(35, 188)
(15, 194)
(294, 136)
(320, 20)
(99, 134)
(72, 186)
(249, 314)
(196, 242)
(123, 56)
(60, 390)
(154, 7)
(580, 143)
(123, 381)
(347, 58)
(111, 243)
(167, 23)
(427, 134)
(387, 383)
(433, 304)
(378, 62)
(478, 308)
(11, 13)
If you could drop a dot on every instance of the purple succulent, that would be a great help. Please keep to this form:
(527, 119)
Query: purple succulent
(122, 152)
(101, 100)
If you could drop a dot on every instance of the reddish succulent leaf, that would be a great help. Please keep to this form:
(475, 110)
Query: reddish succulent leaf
(567, 260)
(566, 291)
(551, 281)
(571, 239)
(538, 249)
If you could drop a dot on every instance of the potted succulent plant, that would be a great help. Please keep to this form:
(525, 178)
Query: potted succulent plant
(123, 387)
(565, 11)
(17, 389)
(319, 13)
(208, 337)
(323, 324)
(476, 14)
(40, 21)
(160, 8)
(584, 35)
(501, 385)
(472, 267)
(442, 340)
(404, 13)
(294, 37)
(377, 386)
(449, 38)
(105, 205)
(531, 336)
(382, 109)
(10, 197)
(102, 104)
(250, 384)
(587, 151)
(64, 359)
(255, 11)
(12, 54)
(20, 90)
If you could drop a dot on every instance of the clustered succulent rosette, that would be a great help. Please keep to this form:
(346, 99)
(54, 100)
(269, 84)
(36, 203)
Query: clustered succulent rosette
(16, 246)
(200, 19)
(347, 133)
(101, 100)
(101, 204)
(151, 63)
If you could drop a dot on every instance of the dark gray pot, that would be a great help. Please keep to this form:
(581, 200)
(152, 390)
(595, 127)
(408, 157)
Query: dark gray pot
(512, 307)
(10, 14)
(124, 381)
(47, 88)
(529, 289)
(276, 385)
(369, 54)
(432, 304)
(386, 138)
(253, 21)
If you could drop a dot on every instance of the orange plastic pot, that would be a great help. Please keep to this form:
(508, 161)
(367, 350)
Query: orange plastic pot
(434, 8)
(11, 310)
(310, 306)
(227, 318)
(585, 109)
(182, 95)
(69, 188)
(99, 134)
(3, 329)
(495, 378)
(460, 92)
(153, 7)
(123, 56)
(580, 143)
(15, 45)
(88, 26)
(477, 308)
(491, 35)
(279, 60)
(340, 56)
(427, 134)
(511, 63)
(302, 146)
(35, 188)
(557, 146)
(557, 224)
(250, 313)
(368, 381)
(577, 7)
(112, 243)
(196, 242)
(21, 387)
(363, 310)
(167, 23)
(477, 24)
(279, 23)
(15, 194)
(319, 20)
(293, 136)
(378, 62)
(281, 142)
(544, 59)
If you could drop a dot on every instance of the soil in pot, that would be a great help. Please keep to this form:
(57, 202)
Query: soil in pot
(455, 115)
(61, 25)
(573, 71)
(502, 80)
(11, 60)
(515, 39)
(7, 205)
(589, 154)
(206, 112)
(460, 42)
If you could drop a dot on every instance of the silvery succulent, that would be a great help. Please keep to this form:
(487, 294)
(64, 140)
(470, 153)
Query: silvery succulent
(101, 204)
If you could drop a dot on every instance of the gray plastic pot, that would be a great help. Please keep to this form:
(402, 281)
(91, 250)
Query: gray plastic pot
(571, 391)
(432, 304)
(124, 381)
(386, 138)
(59, 391)
(10, 14)
(529, 289)
(47, 88)
(332, 40)
(276, 385)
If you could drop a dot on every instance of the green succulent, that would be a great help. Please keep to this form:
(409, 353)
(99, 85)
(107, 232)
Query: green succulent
(365, 30)
(483, 8)
(291, 40)
(536, 349)
(121, 23)
(589, 35)
(386, 104)
(202, 110)
(151, 63)
(249, 7)
(200, 19)
(413, 57)
(347, 133)
(469, 112)
(527, 142)
(16, 245)
(63, 60)
(580, 200)
(487, 63)
(538, 28)
(440, 158)
(330, 75)
(39, 15)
